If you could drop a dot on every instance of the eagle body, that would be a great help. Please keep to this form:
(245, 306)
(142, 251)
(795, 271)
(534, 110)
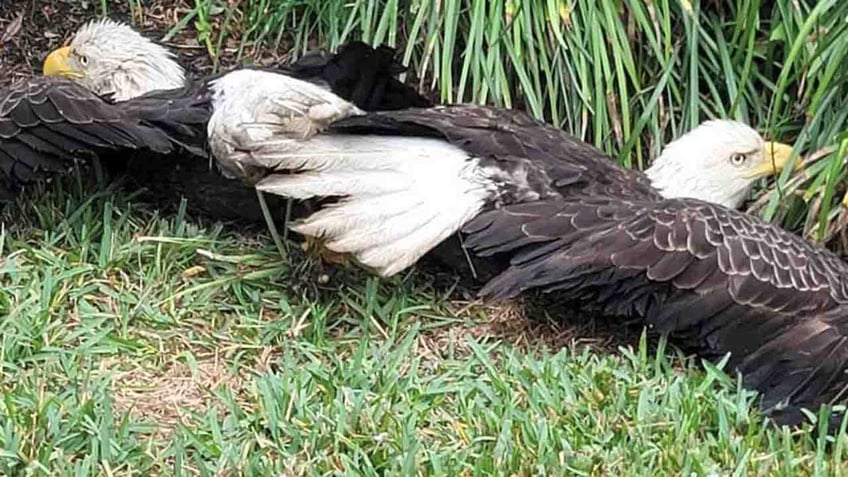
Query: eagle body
(716, 279)
(412, 177)
(539, 209)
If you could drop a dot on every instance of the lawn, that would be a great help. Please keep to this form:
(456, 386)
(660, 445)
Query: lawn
(148, 341)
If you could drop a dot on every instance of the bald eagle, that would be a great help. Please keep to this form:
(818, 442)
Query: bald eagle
(115, 95)
(665, 246)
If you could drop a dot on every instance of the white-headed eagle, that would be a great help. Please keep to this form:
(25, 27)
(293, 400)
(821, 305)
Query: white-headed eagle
(552, 214)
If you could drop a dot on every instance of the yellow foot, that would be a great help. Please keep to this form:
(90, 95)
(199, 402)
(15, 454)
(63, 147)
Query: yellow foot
(315, 247)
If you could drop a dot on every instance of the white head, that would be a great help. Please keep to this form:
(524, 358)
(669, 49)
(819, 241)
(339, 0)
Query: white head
(718, 161)
(109, 57)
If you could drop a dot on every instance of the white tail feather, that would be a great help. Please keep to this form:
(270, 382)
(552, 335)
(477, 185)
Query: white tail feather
(330, 183)
(410, 246)
(253, 108)
(341, 152)
(381, 235)
(339, 218)
(401, 196)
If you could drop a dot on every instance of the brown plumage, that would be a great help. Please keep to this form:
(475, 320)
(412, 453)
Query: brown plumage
(158, 141)
(47, 124)
(516, 143)
(519, 145)
(363, 75)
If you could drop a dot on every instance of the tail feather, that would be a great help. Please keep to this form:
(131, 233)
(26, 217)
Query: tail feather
(379, 227)
(334, 183)
(340, 152)
(367, 229)
(400, 196)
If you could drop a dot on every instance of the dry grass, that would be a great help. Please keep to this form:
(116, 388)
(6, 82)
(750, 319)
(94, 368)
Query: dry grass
(519, 324)
(170, 394)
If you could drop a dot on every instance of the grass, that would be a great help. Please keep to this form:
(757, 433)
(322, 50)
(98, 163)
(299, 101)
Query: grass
(138, 342)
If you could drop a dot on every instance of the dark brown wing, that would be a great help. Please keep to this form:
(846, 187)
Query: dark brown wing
(549, 161)
(46, 124)
(720, 280)
(358, 73)
(182, 114)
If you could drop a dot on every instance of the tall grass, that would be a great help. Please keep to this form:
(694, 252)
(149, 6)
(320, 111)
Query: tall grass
(625, 75)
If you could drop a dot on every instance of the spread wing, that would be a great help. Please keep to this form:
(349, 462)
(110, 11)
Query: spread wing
(47, 124)
(720, 280)
(181, 114)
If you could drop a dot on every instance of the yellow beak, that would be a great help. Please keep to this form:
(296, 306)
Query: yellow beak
(776, 155)
(56, 64)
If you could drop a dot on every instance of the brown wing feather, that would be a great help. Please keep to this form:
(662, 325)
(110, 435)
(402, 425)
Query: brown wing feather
(717, 279)
(364, 75)
(46, 124)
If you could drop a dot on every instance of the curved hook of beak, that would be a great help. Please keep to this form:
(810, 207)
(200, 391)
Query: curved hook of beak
(776, 156)
(56, 64)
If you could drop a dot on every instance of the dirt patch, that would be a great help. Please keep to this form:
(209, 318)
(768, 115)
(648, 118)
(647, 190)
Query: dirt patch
(167, 396)
(530, 326)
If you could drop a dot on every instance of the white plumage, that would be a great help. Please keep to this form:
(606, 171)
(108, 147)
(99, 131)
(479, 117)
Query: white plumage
(699, 164)
(117, 60)
(400, 196)
(259, 109)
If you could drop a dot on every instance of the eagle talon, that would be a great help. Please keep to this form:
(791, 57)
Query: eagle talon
(314, 247)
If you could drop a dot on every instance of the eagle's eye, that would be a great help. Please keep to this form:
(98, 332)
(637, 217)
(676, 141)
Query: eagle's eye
(83, 60)
(738, 159)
